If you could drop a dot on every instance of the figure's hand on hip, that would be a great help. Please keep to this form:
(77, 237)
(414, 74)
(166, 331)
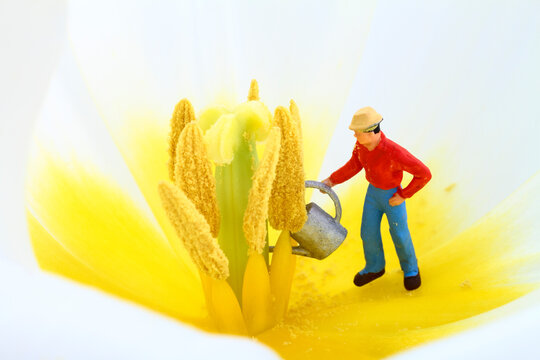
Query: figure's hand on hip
(396, 200)
(327, 182)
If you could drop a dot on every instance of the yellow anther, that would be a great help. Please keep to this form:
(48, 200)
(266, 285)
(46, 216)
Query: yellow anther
(257, 208)
(287, 209)
(295, 116)
(194, 231)
(193, 174)
(182, 115)
(253, 90)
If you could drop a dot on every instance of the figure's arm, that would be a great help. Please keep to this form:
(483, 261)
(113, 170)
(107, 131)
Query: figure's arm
(420, 172)
(347, 171)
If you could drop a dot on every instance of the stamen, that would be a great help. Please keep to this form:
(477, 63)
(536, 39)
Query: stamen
(281, 274)
(182, 115)
(194, 231)
(193, 174)
(287, 208)
(257, 209)
(256, 295)
(253, 90)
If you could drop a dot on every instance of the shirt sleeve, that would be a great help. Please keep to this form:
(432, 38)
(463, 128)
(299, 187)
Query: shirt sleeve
(347, 171)
(420, 172)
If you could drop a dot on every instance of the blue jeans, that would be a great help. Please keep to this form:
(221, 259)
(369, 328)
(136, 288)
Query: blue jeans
(375, 205)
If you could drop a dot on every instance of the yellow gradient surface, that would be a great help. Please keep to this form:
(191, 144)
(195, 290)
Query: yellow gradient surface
(464, 275)
(84, 228)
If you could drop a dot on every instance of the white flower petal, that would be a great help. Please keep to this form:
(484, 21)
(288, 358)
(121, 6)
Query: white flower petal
(70, 127)
(461, 97)
(514, 336)
(140, 58)
(468, 83)
(31, 36)
(45, 317)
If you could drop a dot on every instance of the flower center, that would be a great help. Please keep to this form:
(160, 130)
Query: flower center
(222, 216)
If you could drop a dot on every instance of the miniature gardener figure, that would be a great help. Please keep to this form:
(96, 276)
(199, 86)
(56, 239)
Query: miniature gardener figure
(384, 162)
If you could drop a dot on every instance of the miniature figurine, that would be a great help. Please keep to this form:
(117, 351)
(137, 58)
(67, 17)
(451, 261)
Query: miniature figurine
(384, 162)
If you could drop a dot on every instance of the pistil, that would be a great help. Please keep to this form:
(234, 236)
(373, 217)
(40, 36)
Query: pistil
(233, 182)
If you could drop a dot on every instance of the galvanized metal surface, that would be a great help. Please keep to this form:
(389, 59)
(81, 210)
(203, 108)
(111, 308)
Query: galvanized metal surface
(322, 234)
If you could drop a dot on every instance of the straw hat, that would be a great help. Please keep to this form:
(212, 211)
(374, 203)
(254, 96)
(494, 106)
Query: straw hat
(366, 119)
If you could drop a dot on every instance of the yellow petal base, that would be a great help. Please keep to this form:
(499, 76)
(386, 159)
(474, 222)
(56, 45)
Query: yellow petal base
(223, 306)
(256, 295)
(281, 274)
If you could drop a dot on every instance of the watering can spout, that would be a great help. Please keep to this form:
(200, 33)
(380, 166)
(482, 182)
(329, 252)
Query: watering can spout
(296, 250)
(322, 234)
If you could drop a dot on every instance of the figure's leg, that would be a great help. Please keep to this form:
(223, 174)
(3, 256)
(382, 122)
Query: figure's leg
(399, 230)
(371, 234)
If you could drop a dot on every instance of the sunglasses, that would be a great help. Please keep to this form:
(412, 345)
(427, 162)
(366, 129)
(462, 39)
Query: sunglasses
(372, 128)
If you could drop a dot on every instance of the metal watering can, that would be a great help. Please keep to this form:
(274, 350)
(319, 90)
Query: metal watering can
(322, 234)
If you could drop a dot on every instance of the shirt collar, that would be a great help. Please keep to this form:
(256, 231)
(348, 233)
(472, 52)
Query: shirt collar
(383, 140)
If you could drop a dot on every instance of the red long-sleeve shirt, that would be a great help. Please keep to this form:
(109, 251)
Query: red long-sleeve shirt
(384, 167)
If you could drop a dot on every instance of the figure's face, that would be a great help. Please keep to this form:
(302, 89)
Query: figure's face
(365, 138)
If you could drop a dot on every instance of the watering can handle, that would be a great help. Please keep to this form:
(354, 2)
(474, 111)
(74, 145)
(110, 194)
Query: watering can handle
(330, 192)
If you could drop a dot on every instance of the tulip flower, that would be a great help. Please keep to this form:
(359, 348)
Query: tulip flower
(159, 173)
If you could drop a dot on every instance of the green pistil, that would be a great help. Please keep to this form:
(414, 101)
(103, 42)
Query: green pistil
(233, 182)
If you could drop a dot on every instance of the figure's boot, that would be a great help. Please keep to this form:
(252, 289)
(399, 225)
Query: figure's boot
(363, 279)
(412, 282)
